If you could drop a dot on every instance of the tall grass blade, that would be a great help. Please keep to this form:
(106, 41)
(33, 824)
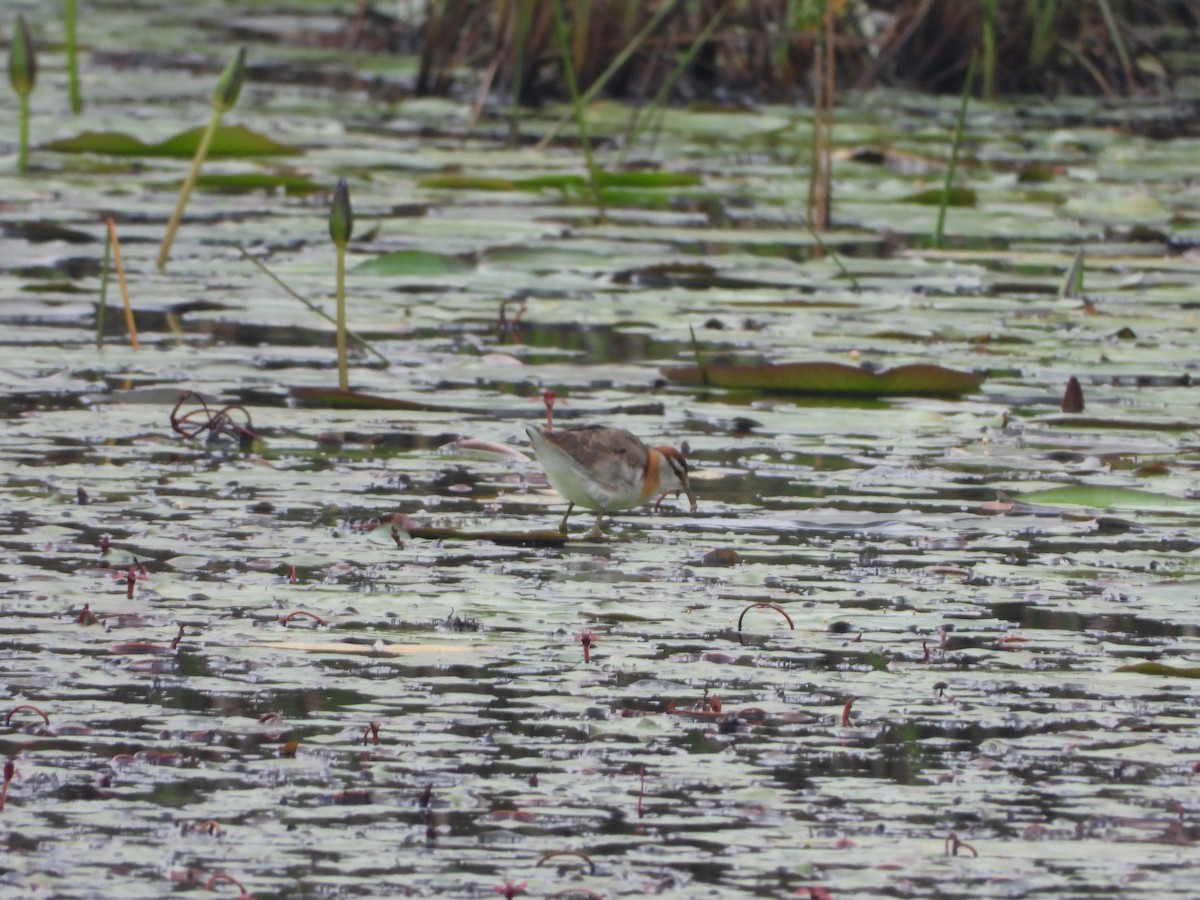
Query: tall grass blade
(657, 106)
(990, 19)
(72, 57)
(560, 23)
(836, 257)
(952, 167)
(615, 66)
(1114, 32)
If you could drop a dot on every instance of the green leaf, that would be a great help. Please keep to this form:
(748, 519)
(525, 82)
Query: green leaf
(1105, 497)
(246, 182)
(413, 262)
(958, 196)
(1156, 668)
(229, 140)
(833, 378)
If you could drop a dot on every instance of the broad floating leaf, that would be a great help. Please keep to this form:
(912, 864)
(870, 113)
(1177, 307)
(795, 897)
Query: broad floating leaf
(958, 196)
(920, 379)
(1156, 668)
(413, 262)
(246, 182)
(229, 140)
(1106, 497)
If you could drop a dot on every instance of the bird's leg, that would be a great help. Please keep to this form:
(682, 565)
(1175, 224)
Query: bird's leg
(562, 526)
(596, 534)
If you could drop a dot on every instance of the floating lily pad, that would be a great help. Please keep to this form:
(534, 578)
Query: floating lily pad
(414, 262)
(1106, 497)
(920, 379)
(1155, 668)
(246, 182)
(958, 196)
(230, 140)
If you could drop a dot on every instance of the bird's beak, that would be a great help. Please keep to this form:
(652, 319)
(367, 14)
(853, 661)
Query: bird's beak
(691, 495)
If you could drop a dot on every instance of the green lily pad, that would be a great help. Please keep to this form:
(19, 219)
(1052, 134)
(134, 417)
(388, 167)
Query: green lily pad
(1154, 668)
(920, 379)
(230, 140)
(246, 182)
(1105, 497)
(933, 197)
(413, 262)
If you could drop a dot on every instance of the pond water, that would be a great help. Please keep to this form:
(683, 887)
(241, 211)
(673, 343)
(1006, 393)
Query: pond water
(996, 628)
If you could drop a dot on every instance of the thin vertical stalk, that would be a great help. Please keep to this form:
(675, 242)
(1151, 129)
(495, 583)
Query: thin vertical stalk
(229, 87)
(657, 103)
(103, 307)
(615, 66)
(130, 326)
(939, 232)
(23, 134)
(185, 190)
(343, 363)
(564, 41)
(820, 185)
(990, 17)
(72, 57)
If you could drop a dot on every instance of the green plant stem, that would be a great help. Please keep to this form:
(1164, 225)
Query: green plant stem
(699, 357)
(613, 67)
(185, 190)
(990, 17)
(23, 146)
(72, 57)
(953, 164)
(1114, 32)
(657, 103)
(564, 40)
(836, 257)
(343, 365)
(312, 307)
(103, 307)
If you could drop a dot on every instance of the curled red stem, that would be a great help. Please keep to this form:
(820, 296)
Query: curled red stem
(587, 859)
(302, 612)
(779, 609)
(953, 845)
(221, 876)
(16, 709)
(846, 713)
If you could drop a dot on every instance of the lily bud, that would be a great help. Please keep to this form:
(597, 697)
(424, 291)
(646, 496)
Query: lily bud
(22, 60)
(341, 216)
(230, 85)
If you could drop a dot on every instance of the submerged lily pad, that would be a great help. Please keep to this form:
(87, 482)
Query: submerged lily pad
(920, 379)
(230, 140)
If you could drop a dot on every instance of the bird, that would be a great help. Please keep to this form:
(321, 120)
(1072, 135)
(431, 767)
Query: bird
(603, 468)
